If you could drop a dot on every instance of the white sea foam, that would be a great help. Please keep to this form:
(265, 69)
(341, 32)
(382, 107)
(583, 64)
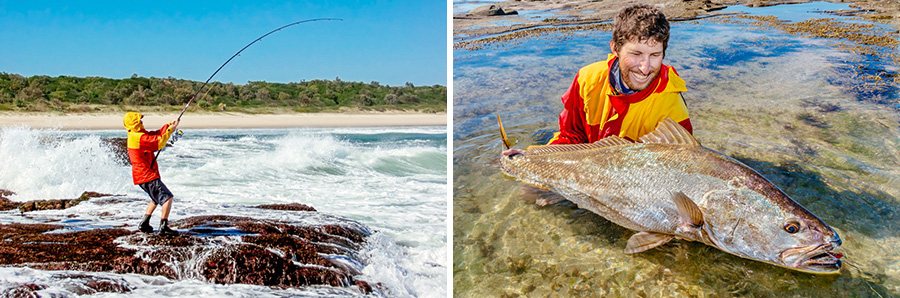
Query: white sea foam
(52, 164)
(74, 284)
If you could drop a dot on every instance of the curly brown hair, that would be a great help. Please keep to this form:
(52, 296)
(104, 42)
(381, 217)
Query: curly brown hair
(640, 22)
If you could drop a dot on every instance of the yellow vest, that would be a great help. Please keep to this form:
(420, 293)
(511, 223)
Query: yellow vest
(593, 111)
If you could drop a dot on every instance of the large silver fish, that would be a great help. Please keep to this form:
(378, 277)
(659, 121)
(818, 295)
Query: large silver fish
(669, 186)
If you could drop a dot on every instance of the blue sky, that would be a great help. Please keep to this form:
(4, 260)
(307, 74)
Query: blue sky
(391, 42)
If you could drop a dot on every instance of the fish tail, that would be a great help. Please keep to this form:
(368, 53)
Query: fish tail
(506, 143)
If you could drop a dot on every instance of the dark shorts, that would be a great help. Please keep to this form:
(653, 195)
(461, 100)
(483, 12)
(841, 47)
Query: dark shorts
(158, 191)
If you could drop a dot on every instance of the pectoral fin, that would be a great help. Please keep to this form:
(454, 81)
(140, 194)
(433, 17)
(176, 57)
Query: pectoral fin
(646, 240)
(688, 211)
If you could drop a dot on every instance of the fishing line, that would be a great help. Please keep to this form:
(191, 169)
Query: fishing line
(862, 277)
(242, 49)
(179, 133)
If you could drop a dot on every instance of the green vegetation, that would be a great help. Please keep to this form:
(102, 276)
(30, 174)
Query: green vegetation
(90, 94)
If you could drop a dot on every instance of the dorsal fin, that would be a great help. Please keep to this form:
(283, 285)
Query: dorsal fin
(606, 142)
(612, 141)
(503, 138)
(670, 132)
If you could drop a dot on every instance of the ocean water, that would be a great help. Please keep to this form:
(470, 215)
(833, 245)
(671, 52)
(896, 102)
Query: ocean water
(392, 181)
(818, 120)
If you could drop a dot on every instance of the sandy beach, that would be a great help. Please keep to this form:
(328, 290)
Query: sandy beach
(224, 120)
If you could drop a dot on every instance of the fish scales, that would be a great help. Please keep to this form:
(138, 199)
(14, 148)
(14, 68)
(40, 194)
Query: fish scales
(616, 176)
(671, 187)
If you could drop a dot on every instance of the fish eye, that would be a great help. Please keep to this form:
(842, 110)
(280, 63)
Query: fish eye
(791, 226)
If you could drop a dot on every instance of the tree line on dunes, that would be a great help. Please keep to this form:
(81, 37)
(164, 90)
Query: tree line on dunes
(86, 94)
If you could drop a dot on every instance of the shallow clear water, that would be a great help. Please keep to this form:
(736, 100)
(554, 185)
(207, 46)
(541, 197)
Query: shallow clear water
(789, 106)
(792, 12)
(391, 180)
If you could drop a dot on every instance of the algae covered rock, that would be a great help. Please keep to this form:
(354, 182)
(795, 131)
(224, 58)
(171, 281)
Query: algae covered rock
(491, 10)
(217, 249)
(37, 205)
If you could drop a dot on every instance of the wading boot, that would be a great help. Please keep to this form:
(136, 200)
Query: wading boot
(145, 225)
(164, 229)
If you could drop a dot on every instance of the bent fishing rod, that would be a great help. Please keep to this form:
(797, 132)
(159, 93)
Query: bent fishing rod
(239, 52)
(229, 60)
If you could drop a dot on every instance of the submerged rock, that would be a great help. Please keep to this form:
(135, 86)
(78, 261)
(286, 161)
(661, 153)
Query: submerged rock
(289, 207)
(119, 147)
(217, 249)
(23, 290)
(56, 204)
(36, 205)
(5, 203)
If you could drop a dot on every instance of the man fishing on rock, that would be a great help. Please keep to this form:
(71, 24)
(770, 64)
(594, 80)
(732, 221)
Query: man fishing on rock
(145, 170)
(628, 94)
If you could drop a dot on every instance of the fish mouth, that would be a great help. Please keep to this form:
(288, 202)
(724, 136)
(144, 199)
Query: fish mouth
(826, 261)
(818, 260)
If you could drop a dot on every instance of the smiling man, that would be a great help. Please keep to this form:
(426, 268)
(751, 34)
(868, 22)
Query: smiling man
(631, 92)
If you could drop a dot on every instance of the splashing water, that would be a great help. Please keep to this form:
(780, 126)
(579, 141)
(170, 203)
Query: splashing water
(392, 180)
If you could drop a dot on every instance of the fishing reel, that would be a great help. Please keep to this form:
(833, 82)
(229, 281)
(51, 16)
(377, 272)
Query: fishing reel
(174, 138)
(171, 142)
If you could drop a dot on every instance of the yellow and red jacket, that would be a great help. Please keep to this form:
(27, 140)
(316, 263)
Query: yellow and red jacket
(594, 111)
(141, 145)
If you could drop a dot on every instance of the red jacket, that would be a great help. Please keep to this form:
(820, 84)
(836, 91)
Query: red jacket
(141, 145)
(593, 111)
